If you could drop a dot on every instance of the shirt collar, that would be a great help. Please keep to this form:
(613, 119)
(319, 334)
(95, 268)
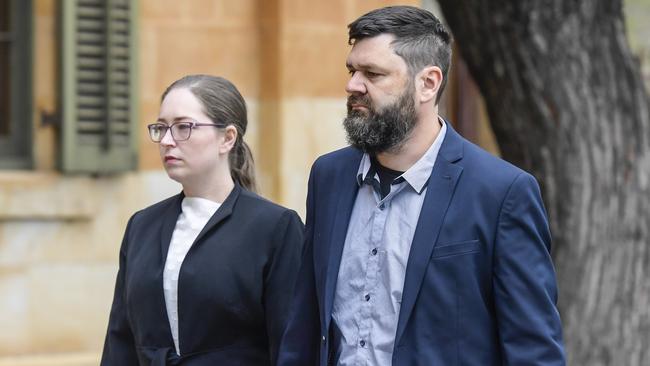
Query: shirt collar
(417, 175)
(364, 169)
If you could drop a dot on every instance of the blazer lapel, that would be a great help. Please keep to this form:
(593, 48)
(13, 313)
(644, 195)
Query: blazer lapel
(346, 196)
(168, 223)
(171, 216)
(222, 213)
(440, 189)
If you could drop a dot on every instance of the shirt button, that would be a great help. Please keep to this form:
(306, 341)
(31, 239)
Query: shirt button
(362, 343)
(323, 339)
(367, 297)
(382, 206)
(374, 251)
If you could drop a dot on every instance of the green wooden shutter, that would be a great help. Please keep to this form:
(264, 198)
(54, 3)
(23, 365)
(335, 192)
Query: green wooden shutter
(99, 114)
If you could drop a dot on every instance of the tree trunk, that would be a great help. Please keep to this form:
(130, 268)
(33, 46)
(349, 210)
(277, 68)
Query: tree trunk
(566, 101)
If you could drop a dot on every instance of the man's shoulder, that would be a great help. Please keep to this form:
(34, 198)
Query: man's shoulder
(336, 157)
(482, 159)
(341, 160)
(487, 167)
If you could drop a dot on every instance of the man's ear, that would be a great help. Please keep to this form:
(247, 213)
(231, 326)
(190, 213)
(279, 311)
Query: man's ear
(430, 81)
(229, 138)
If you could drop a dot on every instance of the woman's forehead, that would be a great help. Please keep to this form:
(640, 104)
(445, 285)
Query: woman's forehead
(180, 102)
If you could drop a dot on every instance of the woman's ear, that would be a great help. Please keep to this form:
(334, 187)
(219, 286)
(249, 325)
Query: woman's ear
(229, 139)
(430, 79)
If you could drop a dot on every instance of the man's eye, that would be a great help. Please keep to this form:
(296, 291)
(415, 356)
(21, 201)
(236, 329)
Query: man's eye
(371, 74)
(184, 126)
(159, 128)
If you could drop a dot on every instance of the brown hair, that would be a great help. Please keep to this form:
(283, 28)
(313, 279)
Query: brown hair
(420, 38)
(223, 103)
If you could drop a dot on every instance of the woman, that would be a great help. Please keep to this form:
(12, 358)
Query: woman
(205, 275)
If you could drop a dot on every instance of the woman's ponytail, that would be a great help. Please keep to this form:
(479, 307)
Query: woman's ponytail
(242, 167)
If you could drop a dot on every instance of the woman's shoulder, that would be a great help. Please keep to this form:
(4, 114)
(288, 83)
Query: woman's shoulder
(255, 200)
(158, 209)
(263, 217)
(252, 200)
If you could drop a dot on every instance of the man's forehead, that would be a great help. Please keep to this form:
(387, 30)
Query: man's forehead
(383, 40)
(372, 52)
(362, 64)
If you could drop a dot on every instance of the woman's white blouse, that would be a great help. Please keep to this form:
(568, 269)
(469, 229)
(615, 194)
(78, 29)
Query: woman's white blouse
(195, 213)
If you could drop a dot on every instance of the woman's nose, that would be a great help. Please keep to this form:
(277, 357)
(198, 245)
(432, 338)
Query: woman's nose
(167, 138)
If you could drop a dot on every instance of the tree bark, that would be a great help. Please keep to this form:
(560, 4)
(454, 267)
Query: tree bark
(567, 102)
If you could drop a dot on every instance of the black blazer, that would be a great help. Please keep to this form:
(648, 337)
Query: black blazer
(233, 288)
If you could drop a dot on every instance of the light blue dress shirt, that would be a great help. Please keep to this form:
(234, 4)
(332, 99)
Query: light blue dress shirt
(373, 264)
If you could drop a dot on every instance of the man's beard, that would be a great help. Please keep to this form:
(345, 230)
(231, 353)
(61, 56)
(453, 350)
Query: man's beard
(383, 130)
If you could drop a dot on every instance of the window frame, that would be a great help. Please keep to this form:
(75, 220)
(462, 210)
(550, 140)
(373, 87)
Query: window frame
(16, 147)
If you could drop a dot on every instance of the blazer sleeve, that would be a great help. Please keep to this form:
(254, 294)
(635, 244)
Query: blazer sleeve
(119, 344)
(300, 342)
(281, 276)
(524, 280)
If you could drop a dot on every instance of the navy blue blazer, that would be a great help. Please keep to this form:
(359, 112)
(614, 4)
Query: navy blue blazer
(480, 287)
(234, 286)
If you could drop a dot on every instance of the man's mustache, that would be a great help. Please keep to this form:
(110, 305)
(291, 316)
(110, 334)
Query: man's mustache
(362, 100)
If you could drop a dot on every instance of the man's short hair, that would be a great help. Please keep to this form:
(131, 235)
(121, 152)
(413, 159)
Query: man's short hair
(420, 38)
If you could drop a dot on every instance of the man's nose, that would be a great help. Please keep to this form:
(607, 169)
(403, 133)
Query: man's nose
(356, 84)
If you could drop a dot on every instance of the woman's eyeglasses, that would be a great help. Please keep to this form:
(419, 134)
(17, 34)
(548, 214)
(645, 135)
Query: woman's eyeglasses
(181, 131)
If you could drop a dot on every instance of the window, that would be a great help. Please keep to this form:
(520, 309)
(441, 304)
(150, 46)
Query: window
(5, 37)
(99, 118)
(15, 84)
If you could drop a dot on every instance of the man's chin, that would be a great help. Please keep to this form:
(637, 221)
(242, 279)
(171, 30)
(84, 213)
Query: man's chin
(365, 147)
(358, 112)
(374, 149)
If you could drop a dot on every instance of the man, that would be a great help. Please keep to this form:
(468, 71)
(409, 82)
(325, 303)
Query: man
(422, 249)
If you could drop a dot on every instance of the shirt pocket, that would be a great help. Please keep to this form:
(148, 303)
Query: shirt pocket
(456, 248)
